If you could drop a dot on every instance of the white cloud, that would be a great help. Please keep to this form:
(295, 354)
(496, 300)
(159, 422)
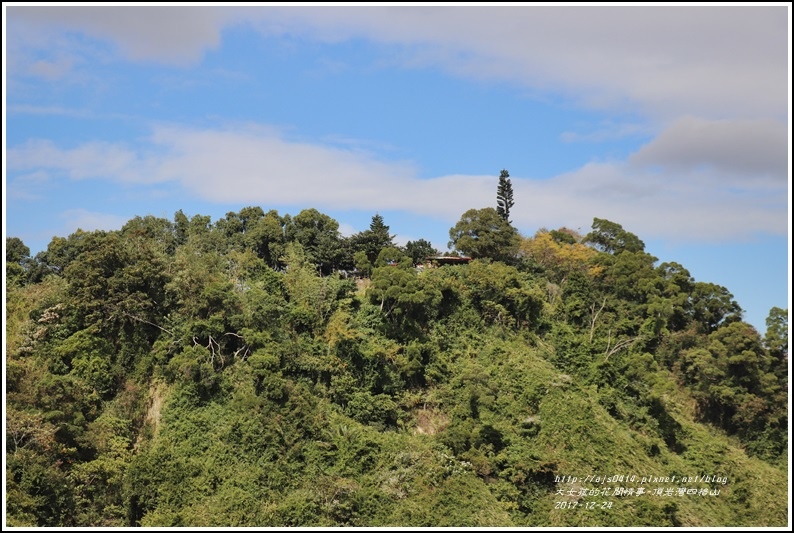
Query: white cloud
(663, 61)
(723, 61)
(678, 200)
(28, 186)
(28, 109)
(346, 230)
(756, 148)
(54, 111)
(89, 160)
(607, 131)
(251, 166)
(51, 70)
(163, 34)
(91, 220)
(693, 206)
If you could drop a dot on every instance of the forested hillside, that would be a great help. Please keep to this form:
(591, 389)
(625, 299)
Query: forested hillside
(262, 370)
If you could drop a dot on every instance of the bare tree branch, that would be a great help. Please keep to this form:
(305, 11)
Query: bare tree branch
(595, 314)
(150, 323)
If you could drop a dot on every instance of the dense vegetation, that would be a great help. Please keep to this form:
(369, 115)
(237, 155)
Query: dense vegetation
(190, 373)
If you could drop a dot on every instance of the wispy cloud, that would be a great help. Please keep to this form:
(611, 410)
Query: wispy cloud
(690, 206)
(51, 70)
(28, 186)
(85, 220)
(662, 61)
(661, 191)
(91, 160)
(607, 131)
(27, 109)
(747, 148)
(162, 34)
(346, 230)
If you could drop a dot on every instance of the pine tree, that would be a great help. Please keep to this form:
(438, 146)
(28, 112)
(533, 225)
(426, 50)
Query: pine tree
(504, 196)
(372, 240)
(380, 231)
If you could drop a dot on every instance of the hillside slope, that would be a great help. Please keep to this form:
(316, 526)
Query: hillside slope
(159, 376)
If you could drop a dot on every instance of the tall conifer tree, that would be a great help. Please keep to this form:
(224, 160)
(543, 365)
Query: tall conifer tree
(504, 196)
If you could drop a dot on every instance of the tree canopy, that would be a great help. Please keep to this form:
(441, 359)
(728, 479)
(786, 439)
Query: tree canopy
(504, 196)
(610, 237)
(185, 373)
(482, 233)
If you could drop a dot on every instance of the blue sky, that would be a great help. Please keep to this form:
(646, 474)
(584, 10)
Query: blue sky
(672, 121)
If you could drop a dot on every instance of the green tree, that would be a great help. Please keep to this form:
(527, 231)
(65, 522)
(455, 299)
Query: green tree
(482, 233)
(181, 227)
(155, 230)
(117, 285)
(419, 250)
(712, 305)
(776, 338)
(200, 233)
(501, 294)
(380, 230)
(371, 241)
(318, 234)
(262, 233)
(776, 342)
(59, 253)
(675, 285)
(17, 259)
(313, 299)
(504, 196)
(397, 289)
(610, 237)
(266, 238)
